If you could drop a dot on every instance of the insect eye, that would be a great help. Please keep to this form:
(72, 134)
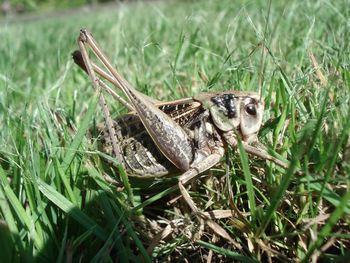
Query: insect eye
(250, 109)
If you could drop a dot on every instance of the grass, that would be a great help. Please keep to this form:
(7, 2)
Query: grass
(55, 202)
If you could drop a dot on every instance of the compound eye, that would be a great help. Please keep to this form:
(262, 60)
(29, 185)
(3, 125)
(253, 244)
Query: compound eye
(250, 109)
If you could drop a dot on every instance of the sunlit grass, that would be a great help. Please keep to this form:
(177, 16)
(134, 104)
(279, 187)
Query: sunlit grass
(55, 201)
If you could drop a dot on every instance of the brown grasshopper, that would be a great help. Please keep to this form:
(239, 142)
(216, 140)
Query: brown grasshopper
(187, 136)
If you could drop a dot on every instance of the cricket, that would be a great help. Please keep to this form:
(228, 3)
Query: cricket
(186, 136)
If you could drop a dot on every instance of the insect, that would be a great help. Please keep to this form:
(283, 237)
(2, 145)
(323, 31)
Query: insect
(186, 136)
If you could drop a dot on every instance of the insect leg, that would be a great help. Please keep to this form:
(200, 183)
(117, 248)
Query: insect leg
(232, 140)
(102, 101)
(78, 59)
(207, 163)
(264, 155)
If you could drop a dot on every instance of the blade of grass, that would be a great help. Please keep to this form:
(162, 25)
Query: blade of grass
(123, 253)
(326, 230)
(18, 207)
(276, 199)
(154, 198)
(65, 181)
(132, 234)
(343, 137)
(324, 192)
(68, 207)
(102, 254)
(248, 178)
(78, 138)
(289, 88)
(227, 253)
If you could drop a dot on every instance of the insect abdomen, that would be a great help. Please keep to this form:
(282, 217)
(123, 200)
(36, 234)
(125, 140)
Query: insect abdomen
(141, 157)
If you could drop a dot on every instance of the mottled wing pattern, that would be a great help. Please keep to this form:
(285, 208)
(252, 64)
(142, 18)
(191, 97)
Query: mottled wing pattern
(141, 156)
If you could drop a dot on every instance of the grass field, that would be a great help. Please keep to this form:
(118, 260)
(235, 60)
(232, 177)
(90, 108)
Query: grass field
(55, 201)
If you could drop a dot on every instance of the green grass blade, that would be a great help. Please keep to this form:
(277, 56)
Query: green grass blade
(276, 199)
(324, 192)
(5, 207)
(78, 138)
(227, 253)
(65, 181)
(68, 207)
(248, 178)
(133, 234)
(326, 230)
(335, 154)
(17, 206)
